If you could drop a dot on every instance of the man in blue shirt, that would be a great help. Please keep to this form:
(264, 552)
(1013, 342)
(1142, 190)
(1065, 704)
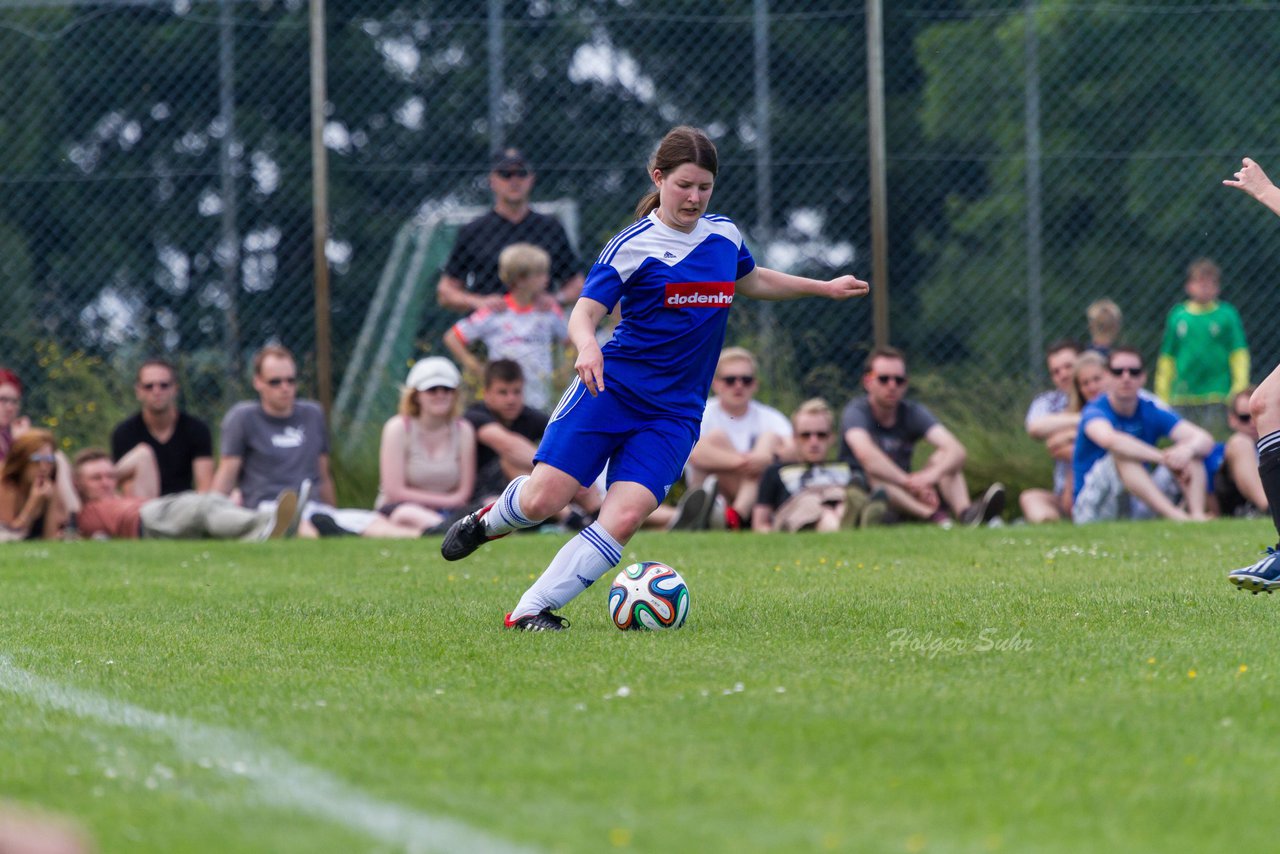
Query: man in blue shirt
(1117, 442)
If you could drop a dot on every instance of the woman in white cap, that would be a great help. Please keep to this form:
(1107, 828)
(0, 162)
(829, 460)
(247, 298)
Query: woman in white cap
(427, 461)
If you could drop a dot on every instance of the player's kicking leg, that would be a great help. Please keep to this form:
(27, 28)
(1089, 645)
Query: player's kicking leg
(527, 501)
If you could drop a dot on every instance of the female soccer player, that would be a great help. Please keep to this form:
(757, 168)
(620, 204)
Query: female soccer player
(637, 403)
(1265, 406)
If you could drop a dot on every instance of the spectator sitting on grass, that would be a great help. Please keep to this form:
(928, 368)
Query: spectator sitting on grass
(279, 443)
(1048, 420)
(1117, 441)
(184, 515)
(507, 434)
(880, 433)
(427, 458)
(13, 424)
(526, 329)
(815, 493)
(182, 443)
(1237, 486)
(31, 506)
(740, 438)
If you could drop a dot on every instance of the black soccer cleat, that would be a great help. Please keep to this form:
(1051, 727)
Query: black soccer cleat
(465, 535)
(543, 621)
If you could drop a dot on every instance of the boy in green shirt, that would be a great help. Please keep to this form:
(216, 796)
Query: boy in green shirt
(1204, 358)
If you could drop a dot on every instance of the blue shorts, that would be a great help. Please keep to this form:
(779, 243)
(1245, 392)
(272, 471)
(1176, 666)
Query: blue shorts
(587, 432)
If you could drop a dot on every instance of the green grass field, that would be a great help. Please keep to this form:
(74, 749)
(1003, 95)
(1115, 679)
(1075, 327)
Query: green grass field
(909, 689)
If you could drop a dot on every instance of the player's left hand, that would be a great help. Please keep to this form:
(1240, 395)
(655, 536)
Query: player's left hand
(845, 287)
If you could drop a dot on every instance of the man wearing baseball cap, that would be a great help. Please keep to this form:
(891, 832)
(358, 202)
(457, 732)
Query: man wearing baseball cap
(469, 279)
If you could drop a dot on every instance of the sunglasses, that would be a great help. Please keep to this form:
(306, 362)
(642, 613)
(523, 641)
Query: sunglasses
(276, 382)
(508, 174)
(165, 386)
(43, 458)
(743, 380)
(814, 434)
(1133, 372)
(12, 401)
(438, 389)
(1246, 417)
(896, 379)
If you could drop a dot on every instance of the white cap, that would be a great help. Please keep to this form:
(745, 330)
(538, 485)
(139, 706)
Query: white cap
(431, 372)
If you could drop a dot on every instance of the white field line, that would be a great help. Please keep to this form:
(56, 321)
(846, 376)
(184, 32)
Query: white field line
(280, 780)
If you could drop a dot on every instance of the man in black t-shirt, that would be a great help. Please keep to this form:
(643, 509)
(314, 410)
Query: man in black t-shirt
(469, 280)
(880, 433)
(507, 431)
(182, 442)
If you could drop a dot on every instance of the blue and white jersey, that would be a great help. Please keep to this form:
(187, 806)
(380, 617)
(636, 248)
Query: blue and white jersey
(676, 290)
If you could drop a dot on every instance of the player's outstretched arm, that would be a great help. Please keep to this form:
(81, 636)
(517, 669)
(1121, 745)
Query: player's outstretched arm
(763, 283)
(1252, 180)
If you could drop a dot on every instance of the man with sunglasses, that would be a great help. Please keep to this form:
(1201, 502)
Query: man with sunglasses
(740, 438)
(880, 433)
(182, 443)
(1116, 446)
(279, 443)
(469, 280)
(815, 493)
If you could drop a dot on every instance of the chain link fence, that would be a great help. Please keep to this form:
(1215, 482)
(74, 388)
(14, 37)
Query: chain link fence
(1040, 155)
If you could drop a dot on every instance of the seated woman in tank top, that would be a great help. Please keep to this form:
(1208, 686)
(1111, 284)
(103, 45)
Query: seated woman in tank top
(427, 460)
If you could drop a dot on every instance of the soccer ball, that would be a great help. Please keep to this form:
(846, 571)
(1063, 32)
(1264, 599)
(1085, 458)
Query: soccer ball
(648, 595)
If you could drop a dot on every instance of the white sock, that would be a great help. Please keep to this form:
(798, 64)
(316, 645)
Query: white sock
(575, 568)
(505, 516)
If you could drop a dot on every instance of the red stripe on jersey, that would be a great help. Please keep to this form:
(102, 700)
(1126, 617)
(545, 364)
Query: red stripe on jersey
(699, 295)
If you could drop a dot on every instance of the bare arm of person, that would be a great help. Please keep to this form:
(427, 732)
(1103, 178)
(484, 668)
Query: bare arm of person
(1062, 445)
(875, 461)
(583, 320)
(140, 470)
(716, 458)
(950, 457)
(227, 477)
(570, 289)
(462, 353)
(1113, 441)
(763, 283)
(202, 473)
(1046, 425)
(1252, 180)
(451, 293)
(514, 449)
(1191, 443)
(19, 514)
(1242, 460)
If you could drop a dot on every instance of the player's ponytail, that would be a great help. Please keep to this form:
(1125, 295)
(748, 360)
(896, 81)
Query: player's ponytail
(648, 204)
(683, 144)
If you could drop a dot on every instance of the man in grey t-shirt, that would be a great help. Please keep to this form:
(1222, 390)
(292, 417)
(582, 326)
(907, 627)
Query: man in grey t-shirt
(279, 442)
(880, 433)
